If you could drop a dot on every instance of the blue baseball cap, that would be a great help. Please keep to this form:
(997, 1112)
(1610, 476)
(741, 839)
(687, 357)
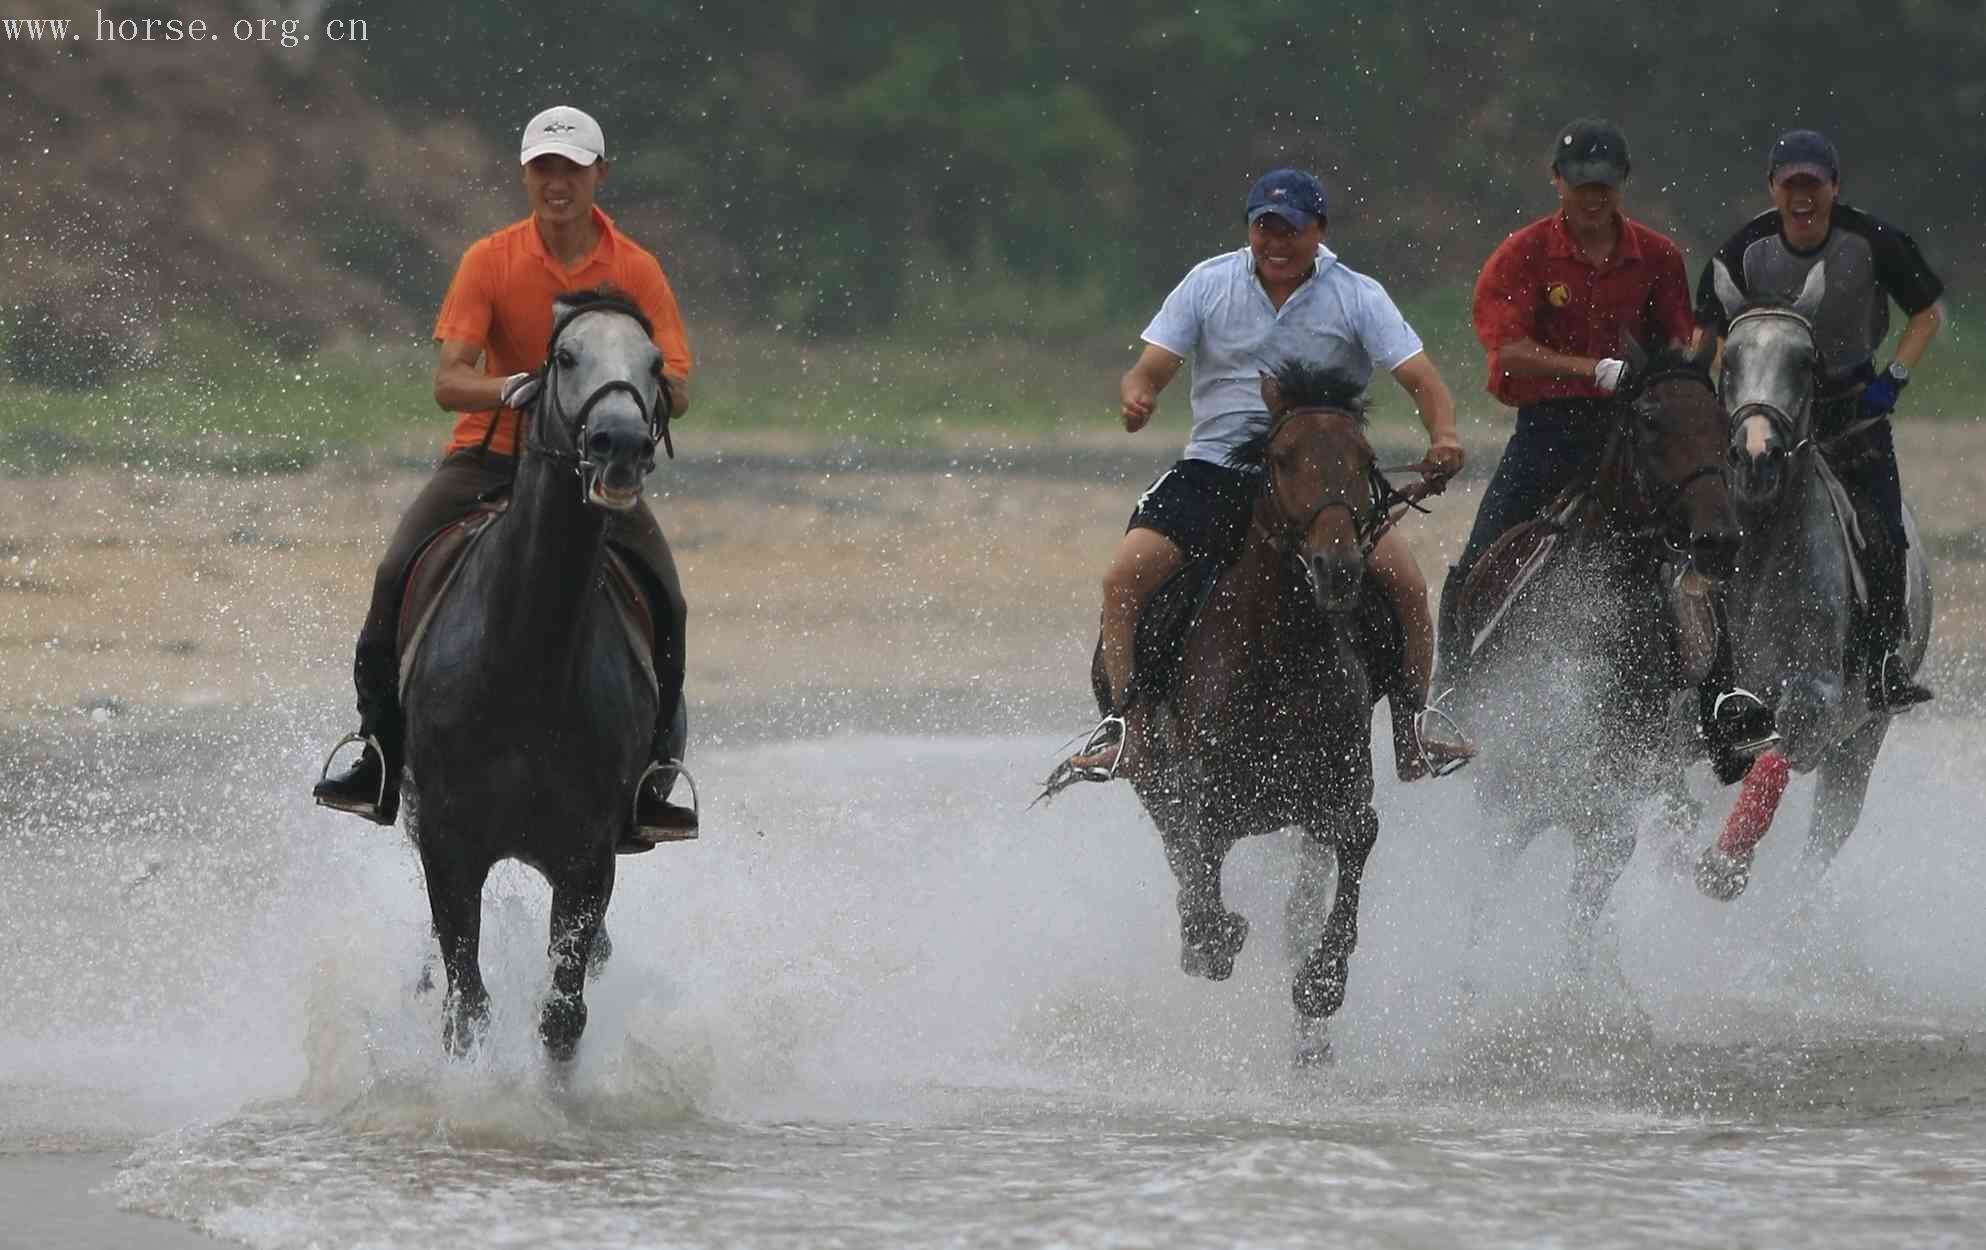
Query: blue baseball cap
(1291, 194)
(1803, 152)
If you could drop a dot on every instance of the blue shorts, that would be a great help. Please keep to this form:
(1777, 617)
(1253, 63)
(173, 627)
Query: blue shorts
(1203, 507)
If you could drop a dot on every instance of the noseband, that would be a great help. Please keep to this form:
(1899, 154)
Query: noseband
(548, 405)
(1368, 527)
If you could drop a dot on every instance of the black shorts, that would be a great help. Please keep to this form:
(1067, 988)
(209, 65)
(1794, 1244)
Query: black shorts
(1201, 506)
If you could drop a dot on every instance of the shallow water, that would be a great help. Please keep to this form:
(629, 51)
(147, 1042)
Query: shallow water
(881, 1003)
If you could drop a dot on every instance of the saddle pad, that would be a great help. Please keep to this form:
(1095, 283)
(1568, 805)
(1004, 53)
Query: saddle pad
(1512, 563)
(433, 571)
(1850, 525)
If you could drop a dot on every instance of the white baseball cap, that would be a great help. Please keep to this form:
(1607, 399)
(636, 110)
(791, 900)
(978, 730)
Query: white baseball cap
(563, 131)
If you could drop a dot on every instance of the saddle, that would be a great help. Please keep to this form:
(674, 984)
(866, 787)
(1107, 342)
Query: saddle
(432, 572)
(1515, 560)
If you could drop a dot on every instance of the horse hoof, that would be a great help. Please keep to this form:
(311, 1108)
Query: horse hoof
(1313, 1045)
(1721, 876)
(564, 1019)
(1319, 989)
(1209, 943)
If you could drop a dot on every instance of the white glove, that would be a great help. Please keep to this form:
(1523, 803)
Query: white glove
(1607, 374)
(520, 389)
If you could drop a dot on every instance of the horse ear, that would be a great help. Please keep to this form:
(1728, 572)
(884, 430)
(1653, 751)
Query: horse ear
(1810, 295)
(1272, 393)
(1632, 353)
(1728, 293)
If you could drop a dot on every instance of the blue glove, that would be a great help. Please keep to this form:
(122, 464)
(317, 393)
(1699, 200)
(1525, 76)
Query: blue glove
(1879, 396)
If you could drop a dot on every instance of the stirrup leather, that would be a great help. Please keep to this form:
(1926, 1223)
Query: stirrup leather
(324, 774)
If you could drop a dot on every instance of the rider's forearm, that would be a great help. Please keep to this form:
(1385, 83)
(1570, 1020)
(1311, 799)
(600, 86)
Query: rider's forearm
(1526, 358)
(466, 388)
(1917, 335)
(1432, 399)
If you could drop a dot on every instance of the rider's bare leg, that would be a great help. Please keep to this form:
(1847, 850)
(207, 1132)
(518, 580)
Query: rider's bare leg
(1399, 575)
(1144, 559)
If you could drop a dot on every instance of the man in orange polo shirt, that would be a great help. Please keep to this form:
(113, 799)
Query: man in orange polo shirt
(1550, 306)
(493, 330)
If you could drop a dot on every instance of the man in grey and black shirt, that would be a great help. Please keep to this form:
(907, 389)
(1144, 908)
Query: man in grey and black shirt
(1869, 263)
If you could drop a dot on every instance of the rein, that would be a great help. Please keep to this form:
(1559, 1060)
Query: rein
(656, 418)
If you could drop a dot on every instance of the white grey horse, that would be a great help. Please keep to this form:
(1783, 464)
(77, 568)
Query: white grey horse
(1791, 606)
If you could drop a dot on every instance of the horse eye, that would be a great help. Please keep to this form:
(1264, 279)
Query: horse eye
(566, 359)
(656, 369)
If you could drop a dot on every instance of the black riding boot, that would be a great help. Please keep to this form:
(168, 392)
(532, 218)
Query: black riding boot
(656, 819)
(1891, 688)
(370, 787)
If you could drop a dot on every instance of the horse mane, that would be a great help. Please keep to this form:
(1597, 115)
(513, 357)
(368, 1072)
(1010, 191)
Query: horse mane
(603, 298)
(1303, 386)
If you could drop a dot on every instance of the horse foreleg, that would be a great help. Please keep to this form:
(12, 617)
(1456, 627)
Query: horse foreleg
(1600, 855)
(1844, 787)
(455, 900)
(1319, 987)
(1210, 936)
(578, 907)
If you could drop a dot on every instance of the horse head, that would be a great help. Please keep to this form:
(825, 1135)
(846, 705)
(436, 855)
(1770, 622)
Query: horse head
(605, 404)
(1771, 368)
(1676, 431)
(1322, 501)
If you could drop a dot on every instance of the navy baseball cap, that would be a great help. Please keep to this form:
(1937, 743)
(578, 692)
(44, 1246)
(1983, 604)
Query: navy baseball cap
(1803, 152)
(1291, 194)
(1590, 150)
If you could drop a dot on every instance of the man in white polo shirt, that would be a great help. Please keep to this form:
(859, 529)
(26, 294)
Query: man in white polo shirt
(1236, 316)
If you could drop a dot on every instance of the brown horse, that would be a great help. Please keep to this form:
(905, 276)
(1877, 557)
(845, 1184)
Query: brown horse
(1266, 722)
(1574, 671)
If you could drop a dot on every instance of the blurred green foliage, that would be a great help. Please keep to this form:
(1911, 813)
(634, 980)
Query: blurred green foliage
(838, 166)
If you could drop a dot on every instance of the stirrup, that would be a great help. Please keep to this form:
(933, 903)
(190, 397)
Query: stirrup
(324, 774)
(1750, 747)
(657, 766)
(1066, 774)
(1111, 729)
(1434, 709)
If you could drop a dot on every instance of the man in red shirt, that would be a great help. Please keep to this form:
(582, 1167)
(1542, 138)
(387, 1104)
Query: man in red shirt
(493, 330)
(1550, 307)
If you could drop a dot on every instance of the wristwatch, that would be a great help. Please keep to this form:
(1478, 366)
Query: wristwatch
(1899, 373)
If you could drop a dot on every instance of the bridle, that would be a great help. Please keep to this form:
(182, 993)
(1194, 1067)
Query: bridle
(1785, 425)
(548, 406)
(1665, 498)
(1368, 526)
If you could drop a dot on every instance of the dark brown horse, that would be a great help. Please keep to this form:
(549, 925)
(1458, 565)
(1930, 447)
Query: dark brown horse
(1574, 676)
(1268, 721)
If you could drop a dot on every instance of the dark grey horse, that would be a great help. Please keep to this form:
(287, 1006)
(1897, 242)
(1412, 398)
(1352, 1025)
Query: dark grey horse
(1791, 606)
(527, 705)
(1573, 679)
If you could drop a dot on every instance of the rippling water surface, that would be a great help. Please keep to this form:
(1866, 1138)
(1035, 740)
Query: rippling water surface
(882, 1004)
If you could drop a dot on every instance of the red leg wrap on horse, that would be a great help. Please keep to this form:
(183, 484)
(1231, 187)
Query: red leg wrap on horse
(1758, 800)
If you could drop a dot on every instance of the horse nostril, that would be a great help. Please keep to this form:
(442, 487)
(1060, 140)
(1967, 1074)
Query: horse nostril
(600, 444)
